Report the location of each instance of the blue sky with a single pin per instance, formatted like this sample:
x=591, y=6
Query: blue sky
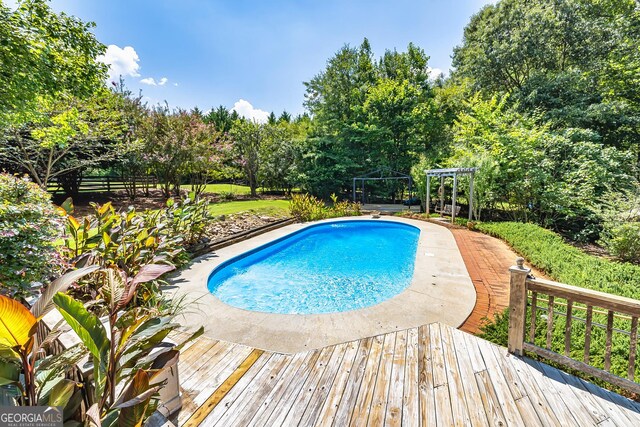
x=221, y=52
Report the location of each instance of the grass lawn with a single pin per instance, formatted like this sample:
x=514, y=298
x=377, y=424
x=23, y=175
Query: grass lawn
x=260, y=207
x=223, y=188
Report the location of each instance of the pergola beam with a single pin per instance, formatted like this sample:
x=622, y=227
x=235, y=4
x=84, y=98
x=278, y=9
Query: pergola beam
x=453, y=173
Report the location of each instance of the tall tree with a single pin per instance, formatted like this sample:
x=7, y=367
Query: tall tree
x=44, y=55
x=221, y=118
x=67, y=136
x=367, y=115
x=249, y=136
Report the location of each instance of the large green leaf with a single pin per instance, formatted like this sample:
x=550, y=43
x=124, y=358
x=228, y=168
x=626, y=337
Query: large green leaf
x=9, y=372
x=61, y=393
x=85, y=324
x=51, y=369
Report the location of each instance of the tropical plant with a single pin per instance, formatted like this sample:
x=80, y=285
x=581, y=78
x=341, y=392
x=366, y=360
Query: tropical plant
x=128, y=240
x=305, y=207
x=28, y=376
x=29, y=226
x=188, y=218
x=123, y=366
x=343, y=207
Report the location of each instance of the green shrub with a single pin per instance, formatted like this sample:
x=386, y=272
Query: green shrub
x=29, y=226
x=227, y=196
x=189, y=218
x=548, y=252
x=623, y=241
x=343, y=208
x=564, y=263
x=304, y=207
x=621, y=225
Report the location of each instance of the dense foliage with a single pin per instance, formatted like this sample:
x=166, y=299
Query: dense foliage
x=29, y=226
x=129, y=240
x=305, y=207
x=543, y=114
x=621, y=225
x=556, y=178
x=44, y=55
x=563, y=262
x=368, y=115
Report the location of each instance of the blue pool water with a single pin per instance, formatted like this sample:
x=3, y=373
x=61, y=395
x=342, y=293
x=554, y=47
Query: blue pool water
x=325, y=268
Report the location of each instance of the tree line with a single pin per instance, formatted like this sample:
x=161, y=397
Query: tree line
x=543, y=98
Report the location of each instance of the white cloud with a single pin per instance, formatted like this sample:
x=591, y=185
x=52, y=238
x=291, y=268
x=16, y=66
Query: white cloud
x=121, y=61
x=175, y=84
x=152, y=82
x=149, y=81
x=246, y=110
x=434, y=73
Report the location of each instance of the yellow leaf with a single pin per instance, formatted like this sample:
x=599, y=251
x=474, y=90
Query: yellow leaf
x=60, y=211
x=104, y=208
x=17, y=324
x=150, y=241
x=74, y=222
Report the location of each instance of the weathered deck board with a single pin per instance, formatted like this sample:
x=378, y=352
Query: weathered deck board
x=431, y=375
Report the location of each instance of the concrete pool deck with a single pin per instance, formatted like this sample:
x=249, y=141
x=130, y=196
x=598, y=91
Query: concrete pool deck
x=441, y=291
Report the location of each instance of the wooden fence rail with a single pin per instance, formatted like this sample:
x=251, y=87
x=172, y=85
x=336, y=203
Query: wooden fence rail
x=107, y=183
x=525, y=288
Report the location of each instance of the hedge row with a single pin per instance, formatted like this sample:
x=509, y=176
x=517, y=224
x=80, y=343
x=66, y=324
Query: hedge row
x=564, y=263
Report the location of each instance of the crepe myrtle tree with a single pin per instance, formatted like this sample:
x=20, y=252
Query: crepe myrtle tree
x=179, y=144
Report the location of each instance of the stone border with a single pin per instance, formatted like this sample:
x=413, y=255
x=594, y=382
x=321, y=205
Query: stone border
x=441, y=291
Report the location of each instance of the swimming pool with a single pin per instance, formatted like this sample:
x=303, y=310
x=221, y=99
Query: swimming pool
x=325, y=268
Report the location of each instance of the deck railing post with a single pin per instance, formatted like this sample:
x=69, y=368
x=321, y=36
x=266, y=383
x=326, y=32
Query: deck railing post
x=517, y=306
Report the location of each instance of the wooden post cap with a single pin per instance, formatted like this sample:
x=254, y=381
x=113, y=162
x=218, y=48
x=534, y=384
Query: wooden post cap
x=519, y=266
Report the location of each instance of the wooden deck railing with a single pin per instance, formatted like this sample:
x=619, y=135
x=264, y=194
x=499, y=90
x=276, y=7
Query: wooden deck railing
x=538, y=308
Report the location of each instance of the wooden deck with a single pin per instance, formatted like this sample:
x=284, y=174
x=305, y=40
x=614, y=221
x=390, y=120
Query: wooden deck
x=426, y=376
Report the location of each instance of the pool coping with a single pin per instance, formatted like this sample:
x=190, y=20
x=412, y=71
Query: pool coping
x=441, y=290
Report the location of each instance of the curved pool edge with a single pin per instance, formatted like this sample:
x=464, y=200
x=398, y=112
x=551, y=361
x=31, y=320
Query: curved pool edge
x=441, y=291
x=292, y=235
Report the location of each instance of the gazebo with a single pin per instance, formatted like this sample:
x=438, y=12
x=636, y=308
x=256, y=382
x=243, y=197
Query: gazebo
x=379, y=175
x=454, y=173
